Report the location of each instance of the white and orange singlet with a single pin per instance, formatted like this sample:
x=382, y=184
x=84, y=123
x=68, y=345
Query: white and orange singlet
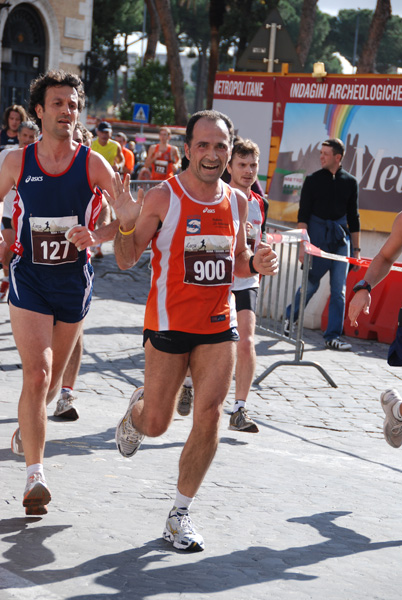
x=193, y=263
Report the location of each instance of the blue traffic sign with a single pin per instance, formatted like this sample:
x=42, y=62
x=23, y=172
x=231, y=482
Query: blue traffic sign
x=141, y=113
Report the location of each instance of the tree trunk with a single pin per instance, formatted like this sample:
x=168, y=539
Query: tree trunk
x=201, y=80
x=367, y=58
x=155, y=31
x=306, y=30
x=216, y=17
x=173, y=59
x=245, y=8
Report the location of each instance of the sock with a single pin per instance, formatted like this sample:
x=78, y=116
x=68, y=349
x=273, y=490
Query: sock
x=36, y=468
x=395, y=411
x=66, y=388
x=188, y=382
x=238, y=404
x=182, y=501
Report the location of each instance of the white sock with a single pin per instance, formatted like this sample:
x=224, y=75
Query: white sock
x=188, y=382
x=36, y=468
x=238, y=404
x=66, y=388
x=395, y=411
x=182, y=501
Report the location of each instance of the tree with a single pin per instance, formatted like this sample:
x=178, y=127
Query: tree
x=193, y=26
x=306, y=29
x=154, y=31
x=110, y=18
x=150, y=84
x=381, y=15
x=176, y=72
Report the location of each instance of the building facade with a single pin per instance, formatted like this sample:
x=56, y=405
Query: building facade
x=38, y=35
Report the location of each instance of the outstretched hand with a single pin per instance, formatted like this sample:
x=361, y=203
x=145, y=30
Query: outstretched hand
x=127, y=210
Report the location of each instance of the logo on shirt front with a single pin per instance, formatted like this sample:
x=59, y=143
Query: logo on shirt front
x=193, y=225
x=208, y=210
x=30, y=178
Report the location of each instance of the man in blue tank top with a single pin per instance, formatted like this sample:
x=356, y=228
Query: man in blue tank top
x=50, y=274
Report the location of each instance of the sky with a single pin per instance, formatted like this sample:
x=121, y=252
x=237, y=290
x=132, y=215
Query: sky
x=332, y=7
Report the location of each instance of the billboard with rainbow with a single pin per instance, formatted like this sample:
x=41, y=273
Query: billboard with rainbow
x=366, y=114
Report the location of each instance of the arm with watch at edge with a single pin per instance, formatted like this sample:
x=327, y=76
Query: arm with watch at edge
x=378, y=269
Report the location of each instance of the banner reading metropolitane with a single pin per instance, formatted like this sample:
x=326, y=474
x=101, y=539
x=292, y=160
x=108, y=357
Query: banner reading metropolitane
x=365, y=112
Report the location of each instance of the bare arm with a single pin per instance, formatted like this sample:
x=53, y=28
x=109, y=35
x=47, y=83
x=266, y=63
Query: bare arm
x=139, y=220
x=176, y=159
x=9, y=173
x=151, y=157
x=265, y=259
x=378, y=269
x=119, y=160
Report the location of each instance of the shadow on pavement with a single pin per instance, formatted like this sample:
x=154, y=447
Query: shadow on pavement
x=141, y=573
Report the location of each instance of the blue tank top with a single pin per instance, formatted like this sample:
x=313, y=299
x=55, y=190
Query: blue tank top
x=47, y=205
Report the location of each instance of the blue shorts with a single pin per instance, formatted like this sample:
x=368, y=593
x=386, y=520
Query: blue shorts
x=64, y=293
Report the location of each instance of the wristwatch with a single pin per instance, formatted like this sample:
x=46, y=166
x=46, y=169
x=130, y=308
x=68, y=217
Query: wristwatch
x=362, y=285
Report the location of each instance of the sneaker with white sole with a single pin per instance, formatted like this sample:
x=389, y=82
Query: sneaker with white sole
x=338, y=344
x=240, y=421
x=289, y=329
x=36, y=495
x=16, y=443
x=180, y=531
x=65, y=408
x=392, y=426
x=128, y=439
x=185, y=401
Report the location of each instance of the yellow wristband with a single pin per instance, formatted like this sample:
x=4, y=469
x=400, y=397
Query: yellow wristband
x=126, y=232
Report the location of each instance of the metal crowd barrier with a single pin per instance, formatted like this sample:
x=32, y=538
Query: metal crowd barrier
x=145, y=185
x=275, y=294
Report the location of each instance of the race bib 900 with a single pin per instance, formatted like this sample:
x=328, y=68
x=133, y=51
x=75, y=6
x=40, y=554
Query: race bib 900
x=208, y=260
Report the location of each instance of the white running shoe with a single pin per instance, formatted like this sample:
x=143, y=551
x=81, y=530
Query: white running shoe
x=185, y=401
x=36, y=495
x=179, y=530
x=338, y=344
x=16, y=443
x=392, y=427
x=65, y=408
x=128, y=439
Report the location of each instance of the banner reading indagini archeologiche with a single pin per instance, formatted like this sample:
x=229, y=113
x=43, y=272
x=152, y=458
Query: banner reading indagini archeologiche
x=366, y=114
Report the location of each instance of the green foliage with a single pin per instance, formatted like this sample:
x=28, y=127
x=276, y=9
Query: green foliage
x=322, y=46
x=150, y=84
x=343, y=31
x=110, y=18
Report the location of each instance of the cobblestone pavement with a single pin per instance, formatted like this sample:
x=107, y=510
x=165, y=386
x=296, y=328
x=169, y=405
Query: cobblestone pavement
x=306, y=509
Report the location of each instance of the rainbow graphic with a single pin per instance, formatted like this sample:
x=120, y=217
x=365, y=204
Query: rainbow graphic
x=337, y=119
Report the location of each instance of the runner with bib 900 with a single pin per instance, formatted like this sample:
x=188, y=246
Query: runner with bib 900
x=196, y=225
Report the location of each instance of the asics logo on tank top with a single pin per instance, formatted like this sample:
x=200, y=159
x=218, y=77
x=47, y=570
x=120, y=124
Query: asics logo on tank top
x=208, y=210
x=32, y=179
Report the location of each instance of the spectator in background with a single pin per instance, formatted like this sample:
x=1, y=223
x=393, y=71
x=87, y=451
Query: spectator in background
x=129, y=159
x=12, y=118
x=108, y=148
x=163, y=159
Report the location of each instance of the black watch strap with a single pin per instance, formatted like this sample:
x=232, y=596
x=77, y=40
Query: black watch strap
x=362, y=285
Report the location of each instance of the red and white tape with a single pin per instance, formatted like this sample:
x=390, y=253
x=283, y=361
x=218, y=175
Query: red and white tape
x=300, y=235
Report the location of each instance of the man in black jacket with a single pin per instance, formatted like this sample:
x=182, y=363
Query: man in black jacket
x=329, y=211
